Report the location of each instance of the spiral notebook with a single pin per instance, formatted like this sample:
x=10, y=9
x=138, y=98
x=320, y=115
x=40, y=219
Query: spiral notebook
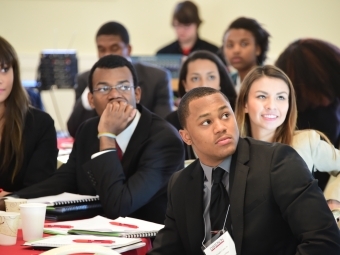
x=64, y=199
x=120, y=227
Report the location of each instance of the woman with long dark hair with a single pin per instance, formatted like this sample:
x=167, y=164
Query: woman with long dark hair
x=28, y=146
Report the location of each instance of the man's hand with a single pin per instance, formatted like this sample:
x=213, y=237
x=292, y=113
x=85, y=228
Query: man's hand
x=4, y=193
x=116, y=117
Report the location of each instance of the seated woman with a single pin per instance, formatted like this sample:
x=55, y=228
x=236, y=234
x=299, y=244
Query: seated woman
x=28, y=144
x=186, y=22
x=313, y=66
x=266, y=110
x=202, y=69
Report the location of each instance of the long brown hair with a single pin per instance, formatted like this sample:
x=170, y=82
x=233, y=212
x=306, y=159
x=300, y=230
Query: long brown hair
x=16, y=107
x=284, y=133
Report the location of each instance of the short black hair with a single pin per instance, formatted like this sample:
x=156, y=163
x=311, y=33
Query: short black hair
x=226, y=85
x=114, y=28
x=186, y=13
x=260, y=34
x=111, y=62
x=183, y=108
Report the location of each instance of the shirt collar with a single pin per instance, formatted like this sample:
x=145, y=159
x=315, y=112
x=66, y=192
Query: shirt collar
x=124, y=137
x=225, y=165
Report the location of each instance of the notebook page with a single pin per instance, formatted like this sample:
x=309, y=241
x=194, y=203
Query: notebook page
x=102, y=224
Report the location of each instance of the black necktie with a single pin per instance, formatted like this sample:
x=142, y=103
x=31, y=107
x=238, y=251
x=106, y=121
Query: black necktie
x=219, y=202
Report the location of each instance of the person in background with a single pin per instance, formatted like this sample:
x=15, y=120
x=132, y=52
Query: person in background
x=202, y=69
x=113, y=38
x=186, y=22
x=35, y=98
x=245, y=45
x=266, y=110
x=261, y=193
x=313, y=66
x=125, y=155
x=28, y=142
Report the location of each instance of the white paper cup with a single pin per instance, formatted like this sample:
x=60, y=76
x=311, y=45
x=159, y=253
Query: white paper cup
x=33, y=218
x=12, y=205
x=8, y=227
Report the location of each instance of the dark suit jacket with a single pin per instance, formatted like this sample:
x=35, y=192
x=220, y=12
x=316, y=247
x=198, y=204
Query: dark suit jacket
x=40, y=153
x=175, y=48
x=135, y=187
x=155, y=83
x=276, y=206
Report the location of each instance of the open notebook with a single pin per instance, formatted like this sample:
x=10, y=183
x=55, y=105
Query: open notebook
x=111, y=242
x=120, y=227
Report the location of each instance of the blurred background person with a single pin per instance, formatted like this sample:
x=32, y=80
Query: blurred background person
x=266, y=110
x=313, y=66
x=28, y=142
x=202, y=69
x=186, y=22
x=245, y=46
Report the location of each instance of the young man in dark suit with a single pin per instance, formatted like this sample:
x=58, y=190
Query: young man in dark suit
x=113, y=38
x=276, y=206
x=126, y=156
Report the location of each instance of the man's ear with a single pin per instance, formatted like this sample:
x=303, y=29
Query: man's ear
x=138, y=94
x=129, y=47
x=90, y=98
x=185, y=136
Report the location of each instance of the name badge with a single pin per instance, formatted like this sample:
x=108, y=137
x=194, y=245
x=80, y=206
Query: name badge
x=224, y=245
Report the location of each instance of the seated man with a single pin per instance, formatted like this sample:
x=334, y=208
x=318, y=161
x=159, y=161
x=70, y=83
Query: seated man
x=151, y=149
x=276, y=206
x=113, y=38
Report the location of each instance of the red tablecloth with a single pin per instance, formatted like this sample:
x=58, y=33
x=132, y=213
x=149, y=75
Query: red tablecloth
x=18, y=249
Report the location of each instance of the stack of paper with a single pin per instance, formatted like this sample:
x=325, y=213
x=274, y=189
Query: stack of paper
x=120, y=227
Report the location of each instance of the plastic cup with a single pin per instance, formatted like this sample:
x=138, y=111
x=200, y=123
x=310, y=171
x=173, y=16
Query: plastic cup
x=12, y=205
x=33, y=218
x=8, y=227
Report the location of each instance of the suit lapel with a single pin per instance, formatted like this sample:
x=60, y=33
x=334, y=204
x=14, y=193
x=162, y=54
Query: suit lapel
x=238, y=183
x=137, y=139
x=194, y=206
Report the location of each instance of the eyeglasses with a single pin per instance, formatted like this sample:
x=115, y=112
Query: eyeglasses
x=122, y=88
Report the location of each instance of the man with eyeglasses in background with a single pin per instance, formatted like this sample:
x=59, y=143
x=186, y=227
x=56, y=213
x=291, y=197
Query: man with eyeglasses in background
x=126, y=155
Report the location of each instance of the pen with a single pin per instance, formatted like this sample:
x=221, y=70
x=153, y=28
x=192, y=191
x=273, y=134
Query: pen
x=92, y=241
x=123, y=224
x=57, y=226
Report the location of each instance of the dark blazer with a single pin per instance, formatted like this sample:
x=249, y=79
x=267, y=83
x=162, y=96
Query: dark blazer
x=40, y=153
x=135, y=187
x=276, y=206
x=155, y=83
x=175, y=48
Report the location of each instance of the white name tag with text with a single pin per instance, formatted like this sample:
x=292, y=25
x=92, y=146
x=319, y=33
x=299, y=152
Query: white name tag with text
x=224, y=245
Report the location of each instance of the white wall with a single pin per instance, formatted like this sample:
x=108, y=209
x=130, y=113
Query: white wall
x=32, y=25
